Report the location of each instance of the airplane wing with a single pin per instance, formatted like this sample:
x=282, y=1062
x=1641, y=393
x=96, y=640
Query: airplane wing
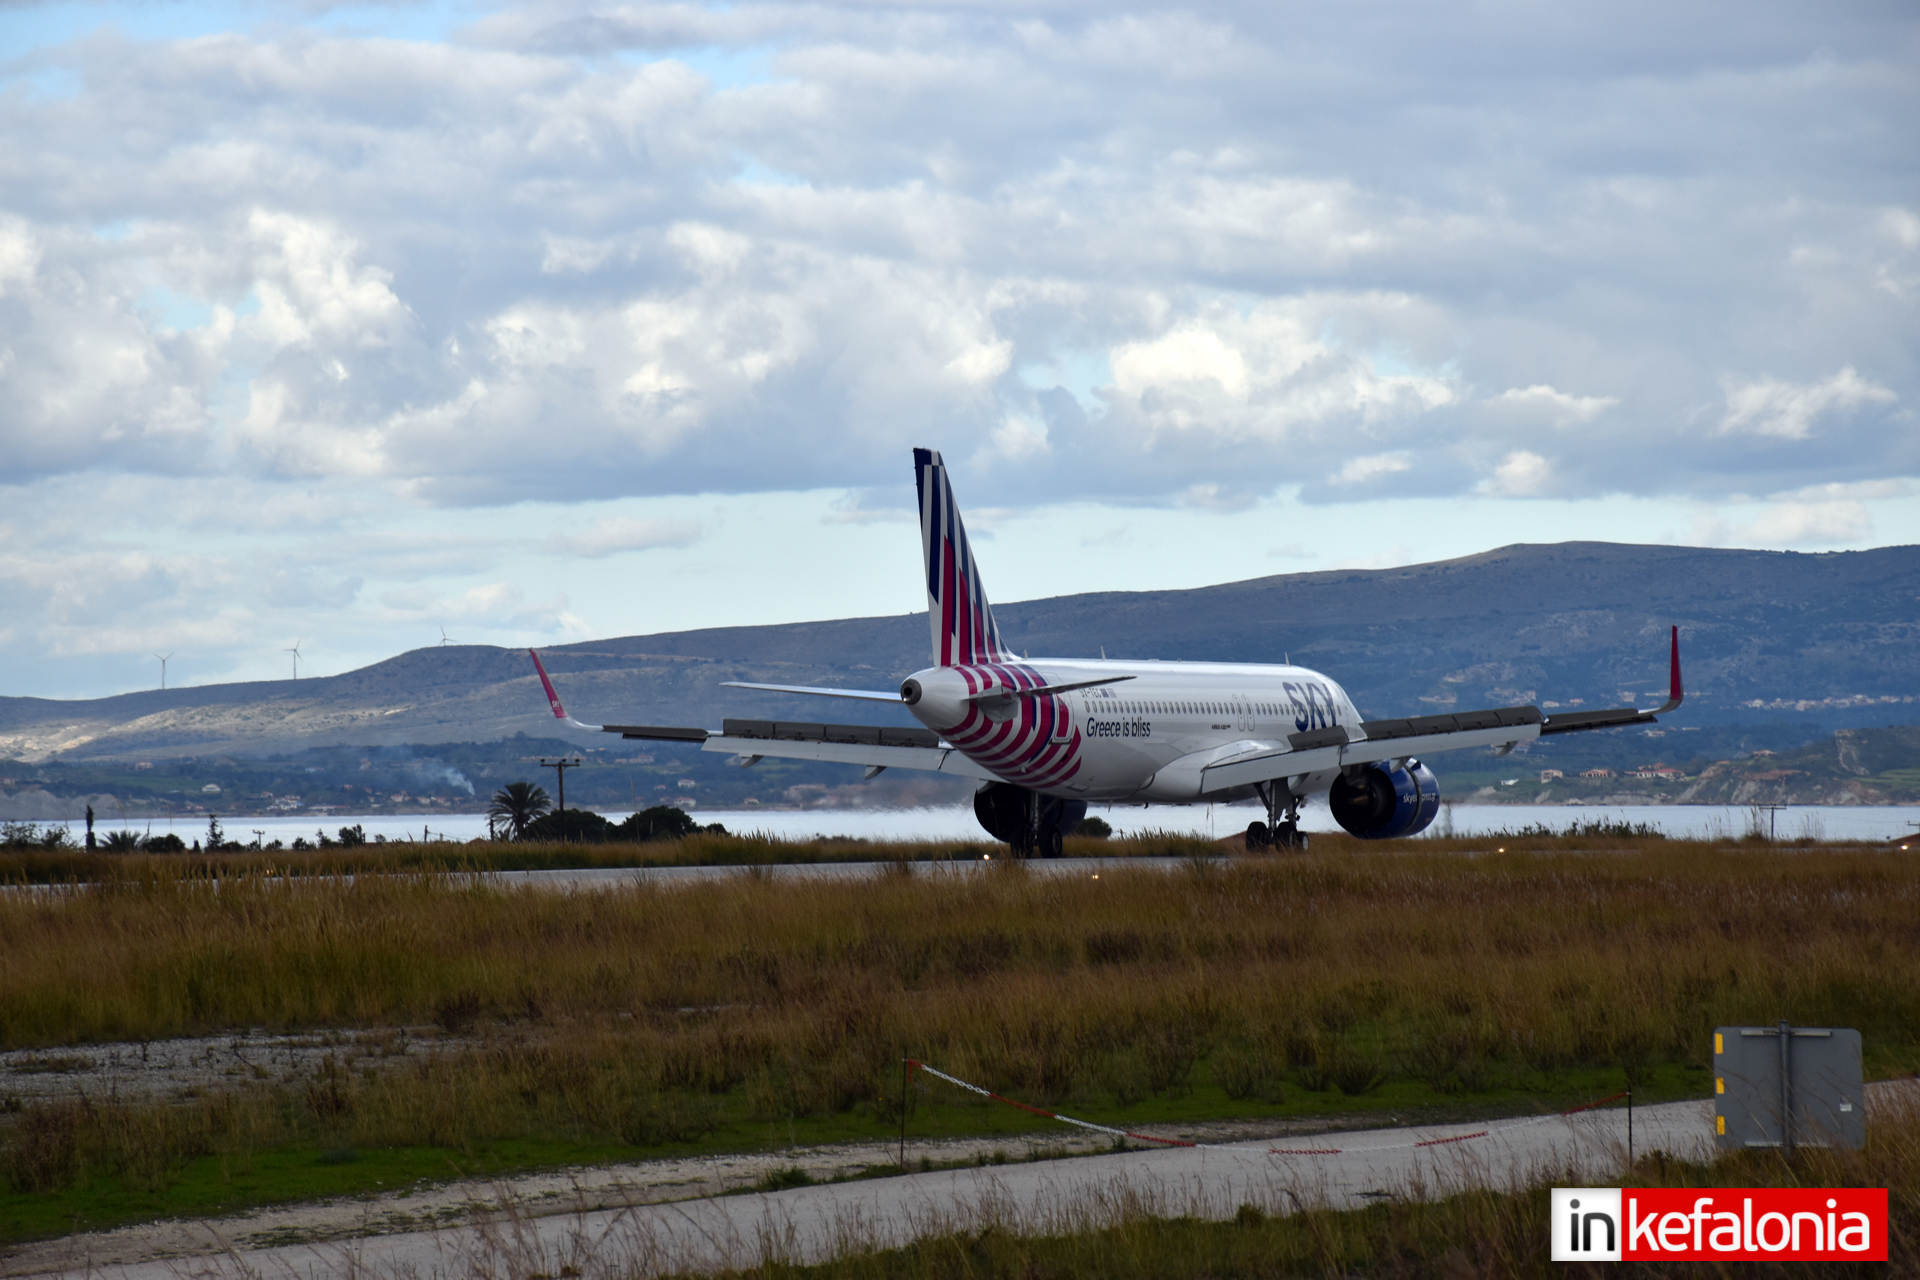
x=750, y=740
x=871, y=745
x=1321, y=750
x=863, y=695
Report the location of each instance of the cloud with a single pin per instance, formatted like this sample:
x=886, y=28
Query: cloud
x=1542, y=403
x=1015, y=440
x=1856, y=491
x=1521, y=474
x=1360, y=471
x=1770, y=407
x=1217, y=497
x=1792, y=524
x=612, y=535
x=306, y=300
x=1267, y=377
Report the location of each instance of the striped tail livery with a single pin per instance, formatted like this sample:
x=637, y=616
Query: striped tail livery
x=963, y=629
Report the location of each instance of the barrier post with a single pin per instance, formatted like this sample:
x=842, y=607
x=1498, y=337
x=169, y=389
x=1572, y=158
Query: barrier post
x=906, y=1085
x=1629, y=1127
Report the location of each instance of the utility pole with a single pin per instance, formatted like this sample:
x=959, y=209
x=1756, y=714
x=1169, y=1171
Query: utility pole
x=560, y=768
x=1773, y=813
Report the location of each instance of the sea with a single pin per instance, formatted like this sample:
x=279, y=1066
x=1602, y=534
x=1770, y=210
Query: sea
x=956, y=823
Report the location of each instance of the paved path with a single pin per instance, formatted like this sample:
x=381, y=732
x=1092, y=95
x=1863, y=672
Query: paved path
x=812, y=1223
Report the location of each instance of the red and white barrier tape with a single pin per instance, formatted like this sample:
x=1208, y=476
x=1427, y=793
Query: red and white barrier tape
x=916, y=1065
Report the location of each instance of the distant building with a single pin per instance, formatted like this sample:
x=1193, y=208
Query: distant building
x=211, y=789
x=1596, y=773
x=1760, y=751
x=1548, y=775
x=1658, y=772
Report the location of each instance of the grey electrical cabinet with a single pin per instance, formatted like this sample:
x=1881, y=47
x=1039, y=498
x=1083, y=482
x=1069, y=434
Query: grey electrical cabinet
x=1784, y=1086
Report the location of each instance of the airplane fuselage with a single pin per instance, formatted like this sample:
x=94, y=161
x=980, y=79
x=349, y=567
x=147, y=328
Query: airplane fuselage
x=1145, y=737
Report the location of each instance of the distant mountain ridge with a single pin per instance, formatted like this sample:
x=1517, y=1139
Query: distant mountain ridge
x=1830, y=638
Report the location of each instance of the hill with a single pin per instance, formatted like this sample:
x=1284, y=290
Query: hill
x=1805, y=643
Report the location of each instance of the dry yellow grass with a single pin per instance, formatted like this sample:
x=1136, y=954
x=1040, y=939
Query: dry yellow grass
x=625, y=1012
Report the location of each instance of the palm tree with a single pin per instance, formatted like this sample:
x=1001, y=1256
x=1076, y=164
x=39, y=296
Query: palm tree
x=519, y=803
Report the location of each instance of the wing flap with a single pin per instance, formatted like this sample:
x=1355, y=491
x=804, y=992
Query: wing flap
x=928, y=759
x=657, y=732
x=797, y=731
x=868, y=744
x=1321, y=750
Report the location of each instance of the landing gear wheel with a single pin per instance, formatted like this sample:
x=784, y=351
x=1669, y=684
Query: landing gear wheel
x=1289, y=836
x=1052, y=843
x=1257, y=837
x=1020, y=846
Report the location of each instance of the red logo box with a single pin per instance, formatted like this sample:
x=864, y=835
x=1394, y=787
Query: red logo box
x=1720, y=1224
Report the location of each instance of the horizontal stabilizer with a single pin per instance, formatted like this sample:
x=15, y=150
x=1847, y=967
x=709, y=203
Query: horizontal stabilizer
x=1001, y=693
x=863, y=695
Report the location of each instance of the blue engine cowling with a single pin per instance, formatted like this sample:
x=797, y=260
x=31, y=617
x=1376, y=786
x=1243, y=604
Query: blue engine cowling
x=1384, y=803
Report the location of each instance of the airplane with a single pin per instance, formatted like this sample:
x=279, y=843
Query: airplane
x=1043, y=738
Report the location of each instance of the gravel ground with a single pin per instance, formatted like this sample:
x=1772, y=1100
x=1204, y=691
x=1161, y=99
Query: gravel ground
x=174, y=1069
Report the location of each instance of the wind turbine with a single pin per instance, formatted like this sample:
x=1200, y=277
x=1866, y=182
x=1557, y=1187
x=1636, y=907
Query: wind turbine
x=163, y=667
x=295, y=651
x=444, y=642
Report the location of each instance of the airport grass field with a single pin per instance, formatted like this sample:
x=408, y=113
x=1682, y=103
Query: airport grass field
x=537, y=1026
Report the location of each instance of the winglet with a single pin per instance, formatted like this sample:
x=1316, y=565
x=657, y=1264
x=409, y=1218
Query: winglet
x=553, y=699
x=1675, y=695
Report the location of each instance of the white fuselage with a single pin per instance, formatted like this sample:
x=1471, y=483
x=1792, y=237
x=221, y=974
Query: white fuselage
x=1146, y=738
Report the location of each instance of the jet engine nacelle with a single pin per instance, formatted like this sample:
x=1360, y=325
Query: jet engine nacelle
x=1380, y=802
x=1001, y=808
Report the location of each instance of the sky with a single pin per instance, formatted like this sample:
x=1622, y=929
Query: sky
x=356, y=327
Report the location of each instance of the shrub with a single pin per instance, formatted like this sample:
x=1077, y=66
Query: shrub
x=661, y=822
x=572, y=826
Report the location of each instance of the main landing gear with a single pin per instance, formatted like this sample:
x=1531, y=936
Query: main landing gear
x=1276, y=832
x=1037, y=837
x=1032, y=825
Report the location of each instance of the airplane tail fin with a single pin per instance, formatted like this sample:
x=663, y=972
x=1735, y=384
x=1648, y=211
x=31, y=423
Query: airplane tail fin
x=961, y=619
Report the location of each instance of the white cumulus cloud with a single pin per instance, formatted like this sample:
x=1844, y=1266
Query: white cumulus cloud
x=1789, y=410
x=1521, y=474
